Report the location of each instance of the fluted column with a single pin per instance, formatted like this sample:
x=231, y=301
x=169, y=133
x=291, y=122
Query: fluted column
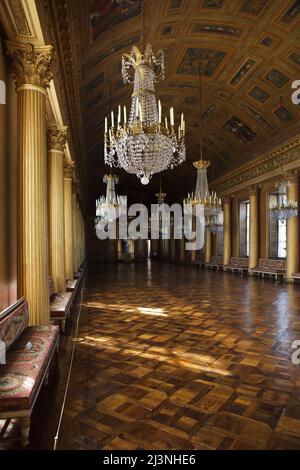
x=208, y=245
x=182, y=249
x=57, y=138
x=31, y=69
x=227, y=231
x=292, y=259
x=254, y=227
x=74, y=224
x=68, y=217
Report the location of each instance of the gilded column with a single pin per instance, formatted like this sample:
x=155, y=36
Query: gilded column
x=182, y=249
x=31, y=66
x=74, y=223
x=68, y=216
x=254, y=227
x=292, y=259
x=57, y=138
x=227, y=231
x=208, y=245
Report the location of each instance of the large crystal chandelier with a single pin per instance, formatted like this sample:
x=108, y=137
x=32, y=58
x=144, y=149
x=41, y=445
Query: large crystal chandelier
x=284, y=208
x=110, y=206
x=144, y=145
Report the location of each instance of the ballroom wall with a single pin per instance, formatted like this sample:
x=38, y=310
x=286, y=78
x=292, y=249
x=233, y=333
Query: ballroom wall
x=8, y=187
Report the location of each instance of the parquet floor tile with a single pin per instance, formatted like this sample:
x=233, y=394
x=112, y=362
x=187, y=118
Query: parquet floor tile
x=176, y=358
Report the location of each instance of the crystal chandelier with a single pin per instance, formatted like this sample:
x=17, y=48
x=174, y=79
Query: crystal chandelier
x=110, y=206
x=215, y=222
x=211, y=203
x=144, y=145
x=284, y=208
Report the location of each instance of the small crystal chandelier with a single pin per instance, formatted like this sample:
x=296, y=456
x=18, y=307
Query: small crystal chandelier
x=111, y=206
x=144, y=145
x=211, y=203
x=162, y=215
x=284, y=208
x=215, y=222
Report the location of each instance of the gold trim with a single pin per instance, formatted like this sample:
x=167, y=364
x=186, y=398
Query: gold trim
x=201, y=164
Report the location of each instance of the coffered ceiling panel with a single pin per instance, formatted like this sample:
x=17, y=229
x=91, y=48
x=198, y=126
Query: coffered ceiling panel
x=249, y=52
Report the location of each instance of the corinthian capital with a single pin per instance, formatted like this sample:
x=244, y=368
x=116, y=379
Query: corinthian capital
x=57, y=137
x=31, y=65
x=69, y=168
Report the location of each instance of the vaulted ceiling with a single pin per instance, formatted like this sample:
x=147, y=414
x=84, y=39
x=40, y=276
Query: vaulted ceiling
x=250, y=55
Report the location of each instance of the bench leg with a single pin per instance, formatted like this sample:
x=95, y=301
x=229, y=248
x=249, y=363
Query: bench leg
x=25, y=428
x=47, y=378
x=63, y=325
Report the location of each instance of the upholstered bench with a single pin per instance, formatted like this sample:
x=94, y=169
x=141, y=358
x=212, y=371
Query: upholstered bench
x=295, y=276
x=73, y=285
x=238, y=264
x=272, y=267
x=200, y=261
x=60, y=305
x=29, y=354
x=216, y=262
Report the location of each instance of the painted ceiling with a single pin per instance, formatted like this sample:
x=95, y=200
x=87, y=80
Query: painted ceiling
x=250, y=55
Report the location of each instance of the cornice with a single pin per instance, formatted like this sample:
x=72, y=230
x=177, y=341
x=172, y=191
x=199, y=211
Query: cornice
x=57, y=27
x=267, y=165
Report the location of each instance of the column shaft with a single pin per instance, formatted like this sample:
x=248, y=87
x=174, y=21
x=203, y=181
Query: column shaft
x=254, y=228
x=68, y=227
x=33, y=265
x=208, y=246
x=227, y=232
x=292, y=261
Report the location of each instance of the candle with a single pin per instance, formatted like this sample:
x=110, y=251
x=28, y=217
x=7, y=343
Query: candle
x=119, y=114
x=125, y=115
x=159, y=112
x=183, y=127
x=112, y=119
x=137, y=107
x=166, y=122
x=141, y=114
x=172, y=116
x=106, y=126
x=181, y=124
x=178, y=132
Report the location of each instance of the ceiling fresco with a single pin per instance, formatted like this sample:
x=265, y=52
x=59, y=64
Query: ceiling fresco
x=249, y=51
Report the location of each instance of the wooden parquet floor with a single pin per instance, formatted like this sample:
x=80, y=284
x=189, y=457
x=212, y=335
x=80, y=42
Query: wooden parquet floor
x=175, y=358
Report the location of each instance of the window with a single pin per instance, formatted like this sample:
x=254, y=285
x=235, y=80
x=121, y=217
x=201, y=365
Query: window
x=244, y=225
x=220, y=243
x=277, y=234
x=281, y=243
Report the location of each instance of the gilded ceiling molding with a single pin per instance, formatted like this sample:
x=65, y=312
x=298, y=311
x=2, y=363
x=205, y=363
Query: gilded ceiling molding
x=57, y=137
x=259, y=168
x=31, y=65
